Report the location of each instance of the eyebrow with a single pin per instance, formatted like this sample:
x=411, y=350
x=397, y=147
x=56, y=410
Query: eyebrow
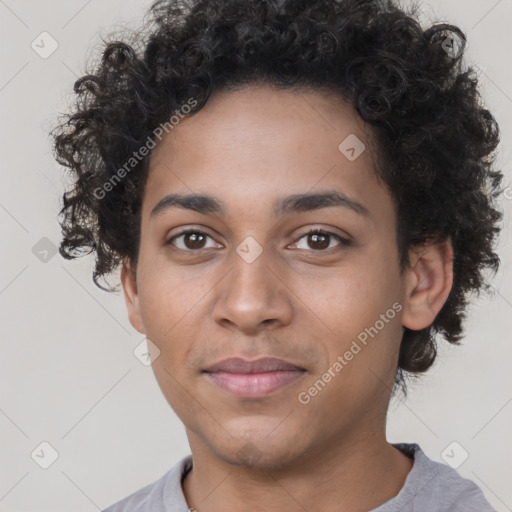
x=295, y=203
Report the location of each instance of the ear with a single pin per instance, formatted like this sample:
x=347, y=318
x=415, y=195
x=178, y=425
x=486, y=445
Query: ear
x=429, y=280
x=131, y=297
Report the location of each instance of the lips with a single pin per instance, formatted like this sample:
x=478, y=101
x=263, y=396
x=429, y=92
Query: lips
x=253, y=379
x=263, y=365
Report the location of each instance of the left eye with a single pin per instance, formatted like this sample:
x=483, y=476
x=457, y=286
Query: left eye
x=321, y=238
x=194, y=240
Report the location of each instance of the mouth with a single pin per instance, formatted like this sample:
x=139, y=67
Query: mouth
x=253, y=379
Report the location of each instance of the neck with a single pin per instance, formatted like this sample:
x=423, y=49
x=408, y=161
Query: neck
x=359, y=473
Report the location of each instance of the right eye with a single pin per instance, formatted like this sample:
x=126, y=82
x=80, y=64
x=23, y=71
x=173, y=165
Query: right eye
x=193, y=240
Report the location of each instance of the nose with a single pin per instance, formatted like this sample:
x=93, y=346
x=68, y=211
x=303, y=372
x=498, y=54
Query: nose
x=253, y=296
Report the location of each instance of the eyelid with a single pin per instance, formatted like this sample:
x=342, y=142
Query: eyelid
x=328, y=231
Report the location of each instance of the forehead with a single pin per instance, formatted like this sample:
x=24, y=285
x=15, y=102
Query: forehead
x=251, y=147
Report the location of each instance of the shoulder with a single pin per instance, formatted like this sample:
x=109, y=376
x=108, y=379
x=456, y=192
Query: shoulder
x=438, y=487
x=158, y=496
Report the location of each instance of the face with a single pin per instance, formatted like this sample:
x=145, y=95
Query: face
x=249, y=282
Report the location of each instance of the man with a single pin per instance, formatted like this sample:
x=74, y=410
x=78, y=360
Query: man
x=300, y=196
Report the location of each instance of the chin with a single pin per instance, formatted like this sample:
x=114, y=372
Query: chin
x=261, y=449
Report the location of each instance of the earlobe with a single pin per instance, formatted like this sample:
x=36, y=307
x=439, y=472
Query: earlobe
x=131, y=296
x=429, y=280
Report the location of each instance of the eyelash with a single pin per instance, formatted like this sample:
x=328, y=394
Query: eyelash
x=343, y=241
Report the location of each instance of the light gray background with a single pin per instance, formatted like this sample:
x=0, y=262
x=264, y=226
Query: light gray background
x=68, y=373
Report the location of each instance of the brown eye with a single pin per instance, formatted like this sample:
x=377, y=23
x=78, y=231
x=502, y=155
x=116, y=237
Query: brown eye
x=194, y=240
x=319, y=240
x=191, y=240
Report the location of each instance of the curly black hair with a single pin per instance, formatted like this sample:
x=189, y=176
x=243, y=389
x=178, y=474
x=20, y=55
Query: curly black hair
x=436, y=141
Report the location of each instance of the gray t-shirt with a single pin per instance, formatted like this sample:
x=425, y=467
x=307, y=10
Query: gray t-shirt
x=429, y=487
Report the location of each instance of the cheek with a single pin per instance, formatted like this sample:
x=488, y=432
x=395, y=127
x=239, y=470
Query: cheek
x=360, y=373
x=173, y=386
x=166, y=298
x=172, y=308
x=347, y=298
x=362, y=310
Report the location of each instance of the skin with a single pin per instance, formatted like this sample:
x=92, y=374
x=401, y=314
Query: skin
x=297, y=301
